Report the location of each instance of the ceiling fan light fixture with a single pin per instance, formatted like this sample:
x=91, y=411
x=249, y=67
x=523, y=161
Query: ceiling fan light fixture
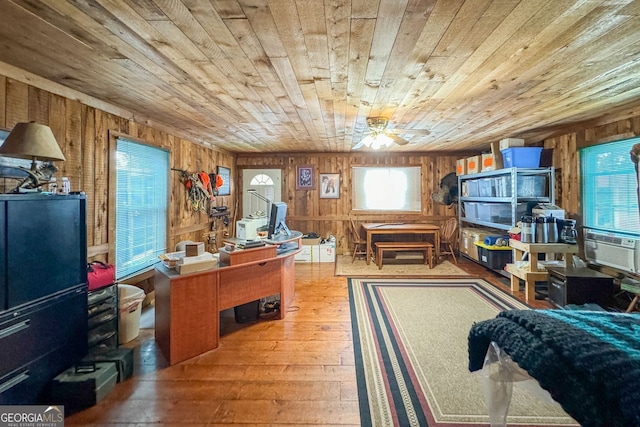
x=381, y=141
x=376, y=141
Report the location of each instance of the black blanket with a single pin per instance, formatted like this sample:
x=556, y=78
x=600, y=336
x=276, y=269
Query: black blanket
x=589, y=361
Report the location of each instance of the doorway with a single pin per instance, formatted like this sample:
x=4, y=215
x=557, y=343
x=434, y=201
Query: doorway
x=267, y=183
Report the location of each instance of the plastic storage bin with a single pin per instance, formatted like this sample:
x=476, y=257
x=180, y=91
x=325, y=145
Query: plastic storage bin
x=521, y=157
x=531, y=186
x=470, y=210
x=485, y=188
x=494, y=212
x=473, y=188
x=494, y=257
x=130, y=307
x=499, y=212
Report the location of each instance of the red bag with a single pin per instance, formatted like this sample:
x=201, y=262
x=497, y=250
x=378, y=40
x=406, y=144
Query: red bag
x=100, y=274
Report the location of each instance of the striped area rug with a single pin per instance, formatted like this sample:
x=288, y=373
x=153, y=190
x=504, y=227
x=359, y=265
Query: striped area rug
x=410, y=343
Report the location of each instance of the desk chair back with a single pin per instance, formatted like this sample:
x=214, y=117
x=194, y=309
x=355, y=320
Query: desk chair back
x=359, y=244
x=449, y=238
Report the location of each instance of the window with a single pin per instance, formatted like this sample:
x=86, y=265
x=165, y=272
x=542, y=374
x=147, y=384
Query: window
x=609, y=187
x=141, y=205
x=387, y=188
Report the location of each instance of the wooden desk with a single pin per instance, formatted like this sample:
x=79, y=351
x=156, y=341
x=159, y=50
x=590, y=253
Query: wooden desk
x=188, y=306
x=373, y=228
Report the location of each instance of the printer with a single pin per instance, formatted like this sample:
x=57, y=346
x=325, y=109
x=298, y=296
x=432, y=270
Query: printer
x=547, y=209
x=247, y=228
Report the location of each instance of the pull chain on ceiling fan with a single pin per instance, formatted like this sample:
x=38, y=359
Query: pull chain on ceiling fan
x=379, y=136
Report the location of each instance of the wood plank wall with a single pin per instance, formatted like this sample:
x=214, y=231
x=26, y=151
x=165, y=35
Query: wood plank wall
x=308, y=213
x=83, y=133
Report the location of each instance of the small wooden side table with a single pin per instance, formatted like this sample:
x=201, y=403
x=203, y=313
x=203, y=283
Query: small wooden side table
x=531, y=274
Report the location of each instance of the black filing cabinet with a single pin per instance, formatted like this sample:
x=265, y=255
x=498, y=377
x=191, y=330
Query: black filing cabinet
x=43, y=292
x=580, y=286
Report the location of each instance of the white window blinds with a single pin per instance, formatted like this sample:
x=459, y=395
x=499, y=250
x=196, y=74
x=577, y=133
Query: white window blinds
x=609, y=184
x=142, y=175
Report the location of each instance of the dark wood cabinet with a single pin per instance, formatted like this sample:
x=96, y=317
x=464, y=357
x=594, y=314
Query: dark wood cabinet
x=43, y=292
x=580, y=286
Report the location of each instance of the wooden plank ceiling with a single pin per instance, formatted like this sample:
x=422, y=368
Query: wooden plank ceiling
x=303, y=75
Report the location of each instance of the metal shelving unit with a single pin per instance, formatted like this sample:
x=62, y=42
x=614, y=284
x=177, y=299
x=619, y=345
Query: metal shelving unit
x=498, y=199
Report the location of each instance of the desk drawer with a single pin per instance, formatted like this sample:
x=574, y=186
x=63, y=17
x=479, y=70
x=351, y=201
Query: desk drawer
x=241, y=285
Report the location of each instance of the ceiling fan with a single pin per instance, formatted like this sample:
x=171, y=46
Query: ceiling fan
x=379, y=136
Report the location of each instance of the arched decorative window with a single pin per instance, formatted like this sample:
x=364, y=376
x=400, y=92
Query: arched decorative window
x=261, y=179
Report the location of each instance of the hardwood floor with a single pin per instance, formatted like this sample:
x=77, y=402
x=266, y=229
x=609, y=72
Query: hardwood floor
x=296, y=371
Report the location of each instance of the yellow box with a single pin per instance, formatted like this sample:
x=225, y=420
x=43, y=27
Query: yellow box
x=473, y=164
x=461, y=167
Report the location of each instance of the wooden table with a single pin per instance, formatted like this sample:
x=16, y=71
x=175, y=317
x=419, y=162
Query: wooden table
x=396, y=228
x=531, y=274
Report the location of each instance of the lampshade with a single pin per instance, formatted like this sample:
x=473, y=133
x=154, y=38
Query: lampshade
x=32, y=141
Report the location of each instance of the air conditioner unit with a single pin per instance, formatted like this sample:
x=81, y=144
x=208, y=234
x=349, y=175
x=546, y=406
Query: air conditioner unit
x=622, y=253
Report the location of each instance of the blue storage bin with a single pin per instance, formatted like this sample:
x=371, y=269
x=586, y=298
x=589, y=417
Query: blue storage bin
x=521, y=157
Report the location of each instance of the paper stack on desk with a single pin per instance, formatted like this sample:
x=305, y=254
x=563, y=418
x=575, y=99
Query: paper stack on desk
x=191, y=264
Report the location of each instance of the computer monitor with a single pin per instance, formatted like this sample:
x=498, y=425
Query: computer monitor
x=277, y=226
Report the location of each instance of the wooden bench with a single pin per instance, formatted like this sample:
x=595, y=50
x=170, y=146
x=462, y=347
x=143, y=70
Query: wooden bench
x=425, y=247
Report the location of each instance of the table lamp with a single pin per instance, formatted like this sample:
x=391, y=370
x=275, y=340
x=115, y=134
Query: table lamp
x=35, y=142
x=254, y=192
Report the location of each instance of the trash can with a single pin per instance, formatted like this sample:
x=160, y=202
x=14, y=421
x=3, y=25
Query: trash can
x=248, y=312
x=130, y=307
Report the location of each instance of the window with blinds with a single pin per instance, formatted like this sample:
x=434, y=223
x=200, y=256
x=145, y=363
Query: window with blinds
x=387, y=188
x=142, y=174
x=609, y=187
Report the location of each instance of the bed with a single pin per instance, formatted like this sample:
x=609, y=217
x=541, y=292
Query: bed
x=588, y=361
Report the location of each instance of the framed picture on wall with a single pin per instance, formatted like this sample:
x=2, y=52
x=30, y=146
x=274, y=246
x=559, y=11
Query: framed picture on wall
x=329, y=185
x=305, y=177
x=225, y=174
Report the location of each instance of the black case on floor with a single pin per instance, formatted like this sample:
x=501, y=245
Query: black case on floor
x=122, y=357
x=78, y=389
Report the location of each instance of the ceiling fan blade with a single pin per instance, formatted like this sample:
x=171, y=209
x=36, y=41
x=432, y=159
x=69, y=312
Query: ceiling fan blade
x=398, y=140
x=358, y=145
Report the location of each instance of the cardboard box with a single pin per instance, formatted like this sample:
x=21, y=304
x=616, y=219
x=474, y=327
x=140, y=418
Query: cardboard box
x=327, y=252
x=497, y=155
x=473, y=164
x=511, y=142
x=488, y=162
x=307, y=241
x=309, y=253
x=194, y=249
x=461, y=167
